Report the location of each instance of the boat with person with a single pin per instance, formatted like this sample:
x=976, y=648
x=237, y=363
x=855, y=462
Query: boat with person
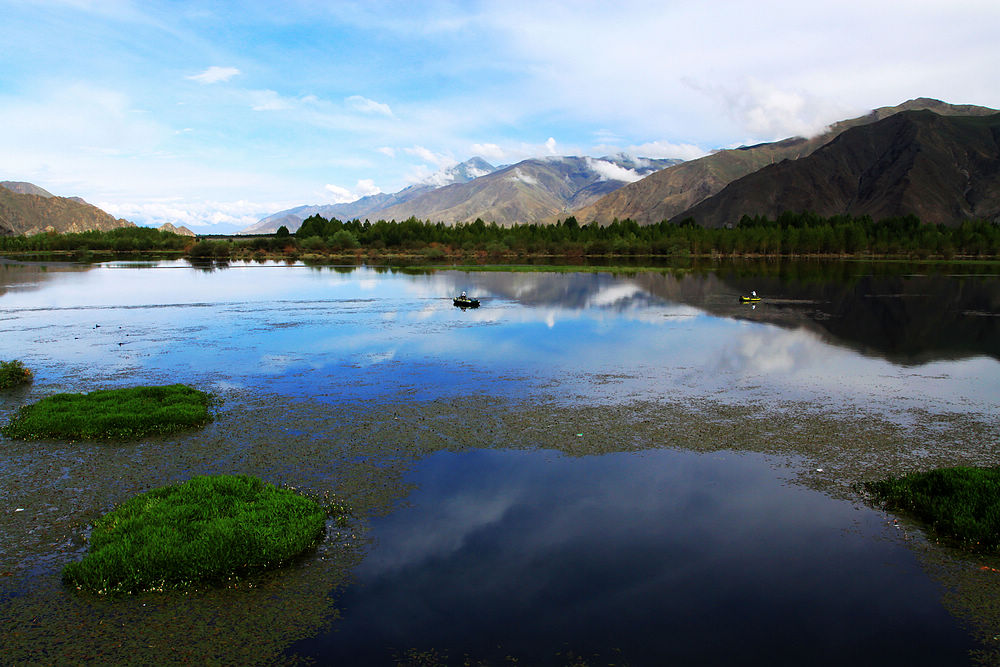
x=753, y=298
x=465, y=301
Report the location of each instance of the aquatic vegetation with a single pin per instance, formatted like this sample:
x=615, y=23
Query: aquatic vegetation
x=207, y=529
x=962, y=503
x=13, y=373
x=111, y=414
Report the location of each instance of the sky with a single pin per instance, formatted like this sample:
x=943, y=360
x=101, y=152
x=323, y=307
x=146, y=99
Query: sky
x=213, y=115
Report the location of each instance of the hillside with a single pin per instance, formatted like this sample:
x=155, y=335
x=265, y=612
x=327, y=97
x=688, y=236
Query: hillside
x=28, y=209
x=943, y=169
x=667, y=193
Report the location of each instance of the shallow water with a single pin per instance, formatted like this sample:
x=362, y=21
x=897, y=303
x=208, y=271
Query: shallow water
x=628, y=467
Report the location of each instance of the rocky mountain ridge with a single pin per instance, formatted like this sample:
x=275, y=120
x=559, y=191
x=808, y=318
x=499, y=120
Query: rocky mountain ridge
x=28, y=209
x=672, y=191
x=942, y=169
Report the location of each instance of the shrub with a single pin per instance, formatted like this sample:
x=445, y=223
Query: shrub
x=206, y=530
x=112, y=413
x=313, y=244
x=343, y=239
x=13, y=373
x=960, y=503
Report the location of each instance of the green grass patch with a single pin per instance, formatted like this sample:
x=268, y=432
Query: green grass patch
x=957, y=503
x=13, y=373
x=121, y=414
x=205, y=530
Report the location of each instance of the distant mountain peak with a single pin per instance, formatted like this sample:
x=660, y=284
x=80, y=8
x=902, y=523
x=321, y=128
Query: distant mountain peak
x=463, y=172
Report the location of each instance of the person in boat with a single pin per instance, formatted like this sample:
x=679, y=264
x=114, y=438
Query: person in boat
x=463, y=295
x=753, y=294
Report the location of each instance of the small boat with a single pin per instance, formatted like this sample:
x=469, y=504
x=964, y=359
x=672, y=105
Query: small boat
x=749, y=299
x=466, y=302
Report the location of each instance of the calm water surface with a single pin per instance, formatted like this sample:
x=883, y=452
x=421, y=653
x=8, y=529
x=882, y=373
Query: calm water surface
x=512, y=547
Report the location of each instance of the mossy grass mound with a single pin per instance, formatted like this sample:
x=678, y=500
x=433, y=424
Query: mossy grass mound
x=205, y=530
x=957, y=503
x=121, y=414
x=13, y=373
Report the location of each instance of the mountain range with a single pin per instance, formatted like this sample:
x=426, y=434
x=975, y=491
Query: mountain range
x=367, y=206
x=529, y=191
x=924, y=157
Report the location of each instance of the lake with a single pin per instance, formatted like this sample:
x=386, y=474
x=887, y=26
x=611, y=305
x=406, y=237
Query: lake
x=594, y=467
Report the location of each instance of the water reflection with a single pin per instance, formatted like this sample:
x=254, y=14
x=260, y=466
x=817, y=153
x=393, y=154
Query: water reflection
x=638, y=559
x=657, y=334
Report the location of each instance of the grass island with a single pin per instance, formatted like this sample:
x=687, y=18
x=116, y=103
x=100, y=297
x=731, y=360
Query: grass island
x=960, y=503
x=121, y=414
x=205, y=530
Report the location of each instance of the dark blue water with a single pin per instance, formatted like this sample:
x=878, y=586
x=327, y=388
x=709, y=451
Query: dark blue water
x=659, y=558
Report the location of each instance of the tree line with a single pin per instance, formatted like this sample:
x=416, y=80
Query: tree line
x=802, y=233
x=122, y=239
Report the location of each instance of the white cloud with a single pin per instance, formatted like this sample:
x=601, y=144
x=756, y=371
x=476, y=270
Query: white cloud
x=386, y=150
x=764, y=110
x=230, y=215
x=366, y=105
x=666, y=149
x=519, y=175
x=269, y=100
x=215, y=74
x=341, y=195
x=474, y=173
x=612, y=172
x=550, y=145
x=487, y=151
x=437, y=159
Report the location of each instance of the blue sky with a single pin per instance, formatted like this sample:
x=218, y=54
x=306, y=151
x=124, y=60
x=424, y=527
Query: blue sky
x=215, y=114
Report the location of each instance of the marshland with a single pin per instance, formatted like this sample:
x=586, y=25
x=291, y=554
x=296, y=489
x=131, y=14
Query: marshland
x=597, y=466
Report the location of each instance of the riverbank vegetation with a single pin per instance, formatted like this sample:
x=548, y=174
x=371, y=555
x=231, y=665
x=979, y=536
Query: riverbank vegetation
x=791, y=234
x=205, y=530
x=119, y=414
x=957, y=503
x=13, y=373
